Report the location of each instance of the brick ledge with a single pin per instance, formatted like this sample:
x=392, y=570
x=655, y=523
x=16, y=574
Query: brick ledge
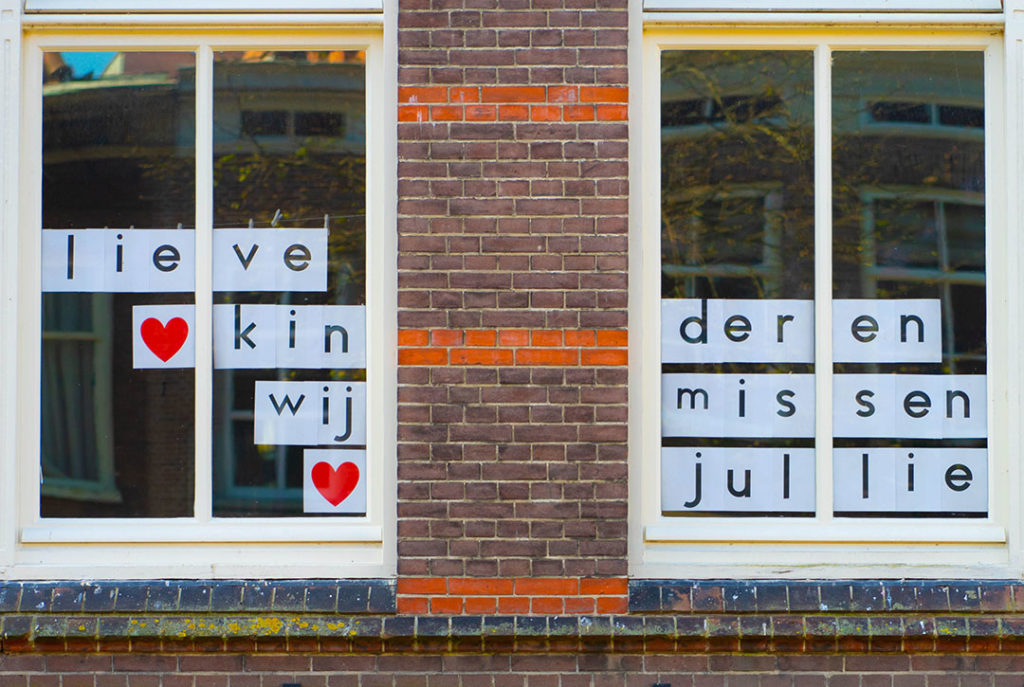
x=503, y=634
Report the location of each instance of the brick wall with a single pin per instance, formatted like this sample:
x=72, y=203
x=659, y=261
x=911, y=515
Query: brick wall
x=554, y=670
x=512, y=305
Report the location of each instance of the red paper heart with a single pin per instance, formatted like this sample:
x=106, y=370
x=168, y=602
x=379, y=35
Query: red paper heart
x=335, y=484
x=164, y=340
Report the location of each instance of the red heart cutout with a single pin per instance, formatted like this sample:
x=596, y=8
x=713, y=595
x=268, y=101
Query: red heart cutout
x=164, y=340
x=335, y=484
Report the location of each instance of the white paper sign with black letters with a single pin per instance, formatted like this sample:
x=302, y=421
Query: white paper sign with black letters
x=163, y=260
x=270, y=260
x=909, y=406
x=910, y=480
x=310, y=413
x=289, y=336
x=718, y=479
x=118, y=260
x=334, y=481
x=737, y=405
x=721, y=330
x=260, y=336
x=886, y=331
x=717, y=330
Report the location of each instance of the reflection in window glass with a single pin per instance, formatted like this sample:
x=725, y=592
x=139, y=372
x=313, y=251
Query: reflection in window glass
x=737, y=260
x=118, y=193
x=289, y=161
x=909, y=214
x=737, y=174
x=909, y=223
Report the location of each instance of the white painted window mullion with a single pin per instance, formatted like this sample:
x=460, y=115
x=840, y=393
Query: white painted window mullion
x=204, y=285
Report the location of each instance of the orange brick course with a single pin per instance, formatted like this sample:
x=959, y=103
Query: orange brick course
x=485, y=596
x=588, y=348
x=512, y=103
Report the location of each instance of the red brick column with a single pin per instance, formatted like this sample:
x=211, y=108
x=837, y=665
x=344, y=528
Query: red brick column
x=512, y=303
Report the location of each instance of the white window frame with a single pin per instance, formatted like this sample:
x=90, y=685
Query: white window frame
x=32, y=547
x=816, y=5
x=825, y=546
x=147, y=6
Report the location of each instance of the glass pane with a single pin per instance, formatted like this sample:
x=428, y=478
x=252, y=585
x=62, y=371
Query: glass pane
x=290, y=283
x=909, y=279
x=737, y=261
x=117, y=385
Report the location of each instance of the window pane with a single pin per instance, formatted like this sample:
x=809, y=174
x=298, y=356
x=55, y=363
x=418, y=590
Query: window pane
x=909, y=273
x=118, y=215
x=737, y=251
x=290, y=285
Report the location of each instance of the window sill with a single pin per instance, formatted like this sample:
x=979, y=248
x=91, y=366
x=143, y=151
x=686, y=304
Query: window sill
x=217, y=532
x=868, y=531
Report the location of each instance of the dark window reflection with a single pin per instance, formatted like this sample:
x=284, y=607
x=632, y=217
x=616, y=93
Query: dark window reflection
x=737, y=174
x=289, y=151
x=737, y=193
x=118, y=152
x=908, y=189
x=888, y=111
x=267, y=123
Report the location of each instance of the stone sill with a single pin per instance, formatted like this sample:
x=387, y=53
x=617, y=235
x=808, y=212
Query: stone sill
x=503, y=634
x=666, y=616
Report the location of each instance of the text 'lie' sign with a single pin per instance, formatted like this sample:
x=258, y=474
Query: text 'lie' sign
x=866, y=481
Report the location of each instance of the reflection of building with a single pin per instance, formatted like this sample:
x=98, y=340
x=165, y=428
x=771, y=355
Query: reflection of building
x=289, y=139
x=908, y=174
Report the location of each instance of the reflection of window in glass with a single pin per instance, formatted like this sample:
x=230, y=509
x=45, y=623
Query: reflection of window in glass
x=288, y=163
x=270, y=476
x=77, y=426
x=723, y=243
x=289, y=153
x=928, y=114
x=907, y=282
x=283, y=123
x=724, y=109
x=737, y=199
x=917, y=245
x=909, y=233
x=737, y=237
x=118, y=157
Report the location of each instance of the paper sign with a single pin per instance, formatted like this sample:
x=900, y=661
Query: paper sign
x=118, y=260
x=334, y=481
x=695, y=330
x=737, y=405
x=310, y=413
x=701, y=330
x=909, y=406
x=265, y=336
x=289, y=336
x=162, y=336
x=163, y=260
x=886, y=331
x=910, y=480
x=270, y=260
x=716, y=479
